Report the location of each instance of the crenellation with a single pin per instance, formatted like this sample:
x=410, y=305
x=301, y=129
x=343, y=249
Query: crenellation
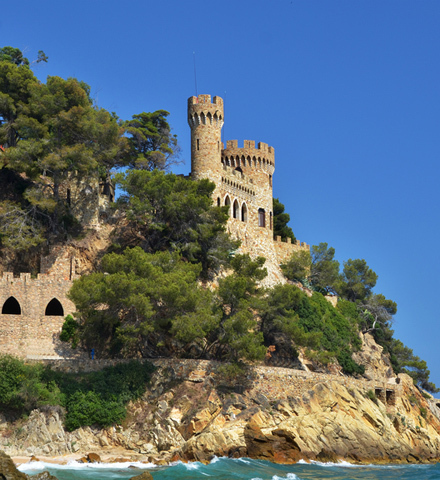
x=34, y=308
x=243, y=178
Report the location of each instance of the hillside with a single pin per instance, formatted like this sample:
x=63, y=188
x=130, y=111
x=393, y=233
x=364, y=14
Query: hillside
x=281, y=415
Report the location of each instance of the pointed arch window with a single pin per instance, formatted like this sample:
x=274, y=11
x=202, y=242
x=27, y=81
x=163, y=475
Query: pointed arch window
x=236, y=210
x=11, y=307
x=244, y=213
x=54, y=308
x=228, y=204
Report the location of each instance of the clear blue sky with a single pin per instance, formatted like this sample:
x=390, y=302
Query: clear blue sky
x=347, y=92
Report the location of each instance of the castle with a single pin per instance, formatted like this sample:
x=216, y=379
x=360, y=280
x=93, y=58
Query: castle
x=33, y=309
x=243, y=180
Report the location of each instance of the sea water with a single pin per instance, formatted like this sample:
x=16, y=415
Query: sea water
x=240, y=469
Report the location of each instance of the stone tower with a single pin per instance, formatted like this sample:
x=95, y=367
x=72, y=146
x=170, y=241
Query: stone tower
x=243, y=178
x=206, y=121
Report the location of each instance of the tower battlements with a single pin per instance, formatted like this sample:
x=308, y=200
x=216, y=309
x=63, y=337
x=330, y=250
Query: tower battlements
x=201, y=99
x=262, y=156
x=243, y=178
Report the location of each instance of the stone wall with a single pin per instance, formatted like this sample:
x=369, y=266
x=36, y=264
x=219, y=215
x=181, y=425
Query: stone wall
x=276, y=383
x=32, y=310
x=244, y=181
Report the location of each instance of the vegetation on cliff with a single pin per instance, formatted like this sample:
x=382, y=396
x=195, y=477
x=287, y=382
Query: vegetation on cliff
x=172, y=283
x=93, y=398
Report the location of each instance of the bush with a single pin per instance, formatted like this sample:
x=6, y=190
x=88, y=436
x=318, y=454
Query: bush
x=69, y=331
x=372, y=396
x=349, y=366
x=89, y=408
x=99, y=398
x=23, y=388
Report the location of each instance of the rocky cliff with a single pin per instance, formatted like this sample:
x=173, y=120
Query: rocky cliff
x=275, y=414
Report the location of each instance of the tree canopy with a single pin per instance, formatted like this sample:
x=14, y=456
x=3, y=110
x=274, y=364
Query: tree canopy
x=280, y=221
x=166, y=211
x=152, y=145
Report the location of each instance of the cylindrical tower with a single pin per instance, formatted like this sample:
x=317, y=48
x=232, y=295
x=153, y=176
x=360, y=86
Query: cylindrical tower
x=206, y=122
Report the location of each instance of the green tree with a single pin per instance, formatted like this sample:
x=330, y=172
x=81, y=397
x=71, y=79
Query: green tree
x=357, y=280
x=412, y=365
x=237, y=337
x=138, y=296
x=324, y=269
x=152, y=144
x=14, y=55
x=280, y=322
x=165, y=211
x=376, y=311
x=280, y=221
x=54, y=135
x=297, y=267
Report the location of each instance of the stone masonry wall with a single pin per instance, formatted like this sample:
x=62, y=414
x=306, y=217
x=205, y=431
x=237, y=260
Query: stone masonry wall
x=243, y=178
x=276, y=383
x=32, y=333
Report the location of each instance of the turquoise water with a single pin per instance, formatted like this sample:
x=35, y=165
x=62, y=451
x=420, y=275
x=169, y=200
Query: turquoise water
x=240, y=469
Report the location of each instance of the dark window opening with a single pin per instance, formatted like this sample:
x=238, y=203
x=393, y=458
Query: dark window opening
x=236, y=210
x=244, y=213
x=198, y=144
x=54, y=308
x=238, y=169
x=228, y=204
x=68, y=197
x=261, y=217
x=218, y=201
x=11, y=307
x=270, y=180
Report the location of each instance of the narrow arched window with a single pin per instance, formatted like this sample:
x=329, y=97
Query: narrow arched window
x=11, y=307
x=54, y=308
x=198, y=144
x=236, y=210
x=228, y=204
x=218, y=201
x=244, y=213
x=261, y=217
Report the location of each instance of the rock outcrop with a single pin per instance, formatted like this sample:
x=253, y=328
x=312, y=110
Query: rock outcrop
x=280, y=415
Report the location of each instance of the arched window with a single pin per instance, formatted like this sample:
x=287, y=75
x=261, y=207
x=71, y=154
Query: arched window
x=54, y=307
x=218, y=201
x=11, y=307
x=244, y=212
x=261, y=217
x=228, y=203
x=236, y=210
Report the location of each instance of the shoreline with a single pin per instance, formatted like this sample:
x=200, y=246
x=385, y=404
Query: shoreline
x=111, y=458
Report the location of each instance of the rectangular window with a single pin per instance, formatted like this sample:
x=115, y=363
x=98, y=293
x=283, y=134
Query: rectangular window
x=261, y=218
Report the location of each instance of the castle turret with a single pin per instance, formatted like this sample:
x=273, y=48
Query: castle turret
x=206, y=121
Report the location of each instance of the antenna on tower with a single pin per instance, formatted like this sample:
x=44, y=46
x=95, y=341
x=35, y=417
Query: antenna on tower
x=195, y=72
x=224, y=129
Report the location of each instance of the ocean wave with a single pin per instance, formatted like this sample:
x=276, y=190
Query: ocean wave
x=74, y=465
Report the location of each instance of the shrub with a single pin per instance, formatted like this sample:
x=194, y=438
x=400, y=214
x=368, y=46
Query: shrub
x=69, y=331
x=99, y=398
x=89, y=408
x=349, y=366
x=372, y=396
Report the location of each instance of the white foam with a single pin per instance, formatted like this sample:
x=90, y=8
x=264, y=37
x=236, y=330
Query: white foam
x=290, y=476
x=74, y=465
